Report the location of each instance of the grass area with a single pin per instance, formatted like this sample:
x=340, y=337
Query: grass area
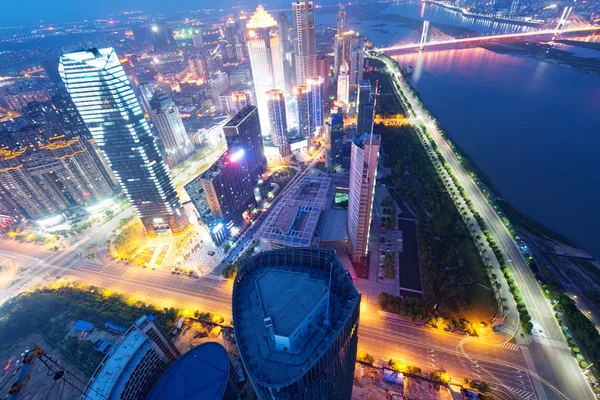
x=50, y=311
x=451, y=267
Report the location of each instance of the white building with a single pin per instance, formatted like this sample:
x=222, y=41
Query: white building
x=266, y=60
x=305, y=50
x=343, y=88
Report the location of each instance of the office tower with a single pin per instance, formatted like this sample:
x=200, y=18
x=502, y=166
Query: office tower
x=264, y=50
x=343, y=85
x=197, y=40
x=203, y=372
x=243, y=131
x=234, y=102
x=218, y=83
x=357, y=61
x=305, y=51
x=323, y=71
x=168, y=123
x=365, y=106
x=278, y=120
x=363, y=171
x=135, y=365
x=286, y=50
x=296, y=319
x=227, y=185
x=304, y=110
x=316, y=89
x=336, y=134
x=105, y=99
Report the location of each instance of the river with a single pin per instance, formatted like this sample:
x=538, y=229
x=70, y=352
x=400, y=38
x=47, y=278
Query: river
x=529, y=124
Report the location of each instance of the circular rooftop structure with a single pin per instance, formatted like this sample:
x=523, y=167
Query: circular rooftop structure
x=201, y=373
x=295, y=315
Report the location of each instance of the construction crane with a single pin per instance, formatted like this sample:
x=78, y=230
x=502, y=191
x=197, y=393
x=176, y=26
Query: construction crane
x=28, y=359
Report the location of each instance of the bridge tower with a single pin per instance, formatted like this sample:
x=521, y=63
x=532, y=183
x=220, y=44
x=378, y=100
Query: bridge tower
x=562, y=22
x=424, y=35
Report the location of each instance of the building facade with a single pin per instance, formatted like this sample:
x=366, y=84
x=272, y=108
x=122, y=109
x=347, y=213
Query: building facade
x=363, y=172
x=304, y=110
x=243, y=132
x=317, y=86
x=265, y=52
x=278, y=120
x=343, y=84
x=366, y=107
x=305, y=51
x=107, y=103
x=296, y=317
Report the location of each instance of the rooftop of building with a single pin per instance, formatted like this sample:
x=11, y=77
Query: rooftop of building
x=288, y=298
x=333, y=226
x=241, y=115
x=200, y=373
x=261, y=19
x=303, y=271
x=215, y=169
x=119, y=363
x=294, y=220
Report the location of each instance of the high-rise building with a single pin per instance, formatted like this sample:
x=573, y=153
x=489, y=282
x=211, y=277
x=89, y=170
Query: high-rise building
x=357, y=61
x=132, y=368
x=336, y=135
x=323, y=71
x=365, y=106
x=218, y=83
x=168, y=123
x=197, y=40
x=341, y=20
x=296, y=319
x=243, y=131
x=305, y=50
x=234, y=102
x=304, y=110
x=316, y=86
x=363, y=171
x=264, y=50
x=343, y=84
x=227, y=185
x=514, y=8
x=107, y=103
x=278, y=120
x=286, y=50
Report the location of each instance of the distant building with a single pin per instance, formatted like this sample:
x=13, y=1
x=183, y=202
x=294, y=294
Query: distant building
x=294, y=220
x=264, y=50
x=234, y=101
x=363, y=172
x=204, y=372
x=278, y=120
x=218, y=83
x=365, y=106
x=117, y=122
x=323, y=71
x=295, y=316
x=168, y=123
x=131, y=369
x=305, y=51
x=343, y=85
x=304, y=110
x=197, y=40
x=357, y=61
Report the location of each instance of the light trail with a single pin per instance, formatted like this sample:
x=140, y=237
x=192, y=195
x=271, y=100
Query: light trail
x=415, y=46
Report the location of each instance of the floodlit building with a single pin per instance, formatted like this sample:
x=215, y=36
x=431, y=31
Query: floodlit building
x=168, y=123
x=278, y=120
x=294, y=220
x=265, y=52
x=106, y=101
x=135, y=365
x=305, y=50
x=316, y=86
x=296, y=316
x=204, y=372
x=304, y=110
x=363, y=172
x=343, y=85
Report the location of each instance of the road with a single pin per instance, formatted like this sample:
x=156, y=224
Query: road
x=549, y=352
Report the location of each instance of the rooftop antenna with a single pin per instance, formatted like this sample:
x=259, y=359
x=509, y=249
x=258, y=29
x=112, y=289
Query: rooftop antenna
x=327, y=322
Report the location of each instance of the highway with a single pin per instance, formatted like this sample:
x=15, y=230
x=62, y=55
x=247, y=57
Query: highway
x=548, y=354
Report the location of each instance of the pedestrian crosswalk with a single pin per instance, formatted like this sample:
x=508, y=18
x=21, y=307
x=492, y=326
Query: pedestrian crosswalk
x=521, y=393
x=505, y=329
x=511, y=346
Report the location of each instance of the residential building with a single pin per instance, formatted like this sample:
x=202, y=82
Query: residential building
x=107, y=103
x=296, y=318
x=305, y=52
x=218, y=83
x=304, y=110
x=357, y=62
x=264, y=50
x=168, y=123
x=363, y=172
x=233, y=101
x=278, y=120
x=316, y=86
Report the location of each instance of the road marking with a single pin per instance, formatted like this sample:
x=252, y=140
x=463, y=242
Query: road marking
x=523, y=394
x=510, y=346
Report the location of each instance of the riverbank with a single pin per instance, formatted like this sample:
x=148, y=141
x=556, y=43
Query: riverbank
x=466, y=13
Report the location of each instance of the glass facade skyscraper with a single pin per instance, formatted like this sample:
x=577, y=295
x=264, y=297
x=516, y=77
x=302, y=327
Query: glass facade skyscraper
x=106, y=101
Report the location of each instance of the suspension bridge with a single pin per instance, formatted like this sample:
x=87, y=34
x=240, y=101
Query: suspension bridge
x=431, y=37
